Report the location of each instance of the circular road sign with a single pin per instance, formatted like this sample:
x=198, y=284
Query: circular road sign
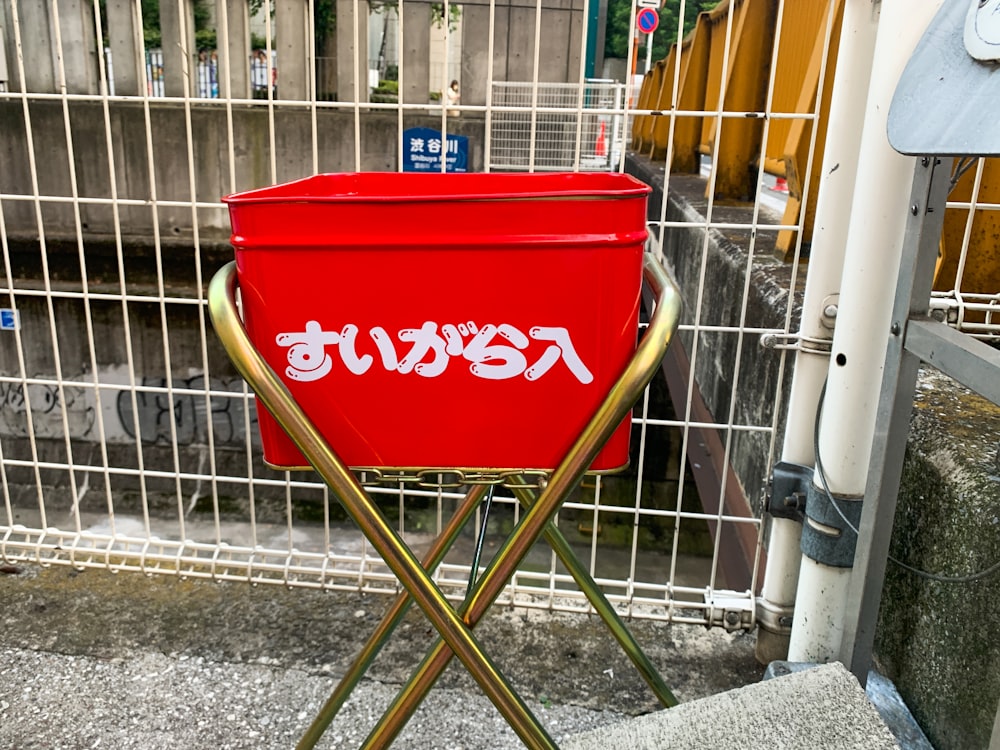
x=646, y=20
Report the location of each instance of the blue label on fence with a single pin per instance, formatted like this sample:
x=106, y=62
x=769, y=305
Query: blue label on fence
x=423, y=147
x=8, y=319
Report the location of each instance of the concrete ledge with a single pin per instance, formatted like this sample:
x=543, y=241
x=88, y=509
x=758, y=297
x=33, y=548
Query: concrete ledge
x=937, y=640
x=823, y=707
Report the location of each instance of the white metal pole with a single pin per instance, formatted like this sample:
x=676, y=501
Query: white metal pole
x=826, y=265
x=874, y=241
x=649, y=52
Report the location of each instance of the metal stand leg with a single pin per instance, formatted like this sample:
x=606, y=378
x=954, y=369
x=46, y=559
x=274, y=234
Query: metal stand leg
x=392, y=618
x=389, y=622
x=454, y=627
x=625, y=392
x=362, y=510
x=604, y=608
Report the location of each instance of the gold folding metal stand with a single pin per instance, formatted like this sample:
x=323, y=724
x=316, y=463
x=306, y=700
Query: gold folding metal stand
x=541, y=500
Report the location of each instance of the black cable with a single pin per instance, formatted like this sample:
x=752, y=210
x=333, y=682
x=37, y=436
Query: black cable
x=826, y=488
x=964, y=165
x=481, y=541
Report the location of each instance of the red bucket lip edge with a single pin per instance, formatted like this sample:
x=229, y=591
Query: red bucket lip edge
x=635, y=190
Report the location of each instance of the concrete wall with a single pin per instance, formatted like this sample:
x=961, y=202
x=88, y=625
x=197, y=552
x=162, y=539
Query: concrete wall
x=935, y=640
x=559, y=46
x=45, y=64
x=741, y=480
x=107, y=420
x=335, y=133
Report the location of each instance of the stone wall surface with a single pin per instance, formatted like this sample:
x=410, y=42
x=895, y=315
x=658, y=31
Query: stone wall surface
x=935, y=639
x=169, y=181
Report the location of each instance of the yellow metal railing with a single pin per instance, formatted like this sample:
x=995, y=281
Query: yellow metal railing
x=969, y=257
x=709, y=98
x=796, y=86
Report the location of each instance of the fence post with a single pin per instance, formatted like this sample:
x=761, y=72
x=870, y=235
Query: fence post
x=233, y=18
x=4, y=71
x=475, y=52
x=293, y=44
x=177, y=34
x=32, y=23
x=79, y=46
x=35, y=23
x=826, y=268
x=416, y=52
x=874, y=242
x=347, y=55
x=125, y=42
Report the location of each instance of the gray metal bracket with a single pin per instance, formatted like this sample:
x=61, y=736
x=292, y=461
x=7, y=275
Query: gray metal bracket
x=830, y=531
x=931, y=184
x=788, y=490
x=830, y=525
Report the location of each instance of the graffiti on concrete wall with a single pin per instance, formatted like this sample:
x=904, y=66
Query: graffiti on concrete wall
x=50, y=406
x=188, y=413
x=158, y=417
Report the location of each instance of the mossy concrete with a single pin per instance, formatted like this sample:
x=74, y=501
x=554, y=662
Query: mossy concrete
x=937, y=641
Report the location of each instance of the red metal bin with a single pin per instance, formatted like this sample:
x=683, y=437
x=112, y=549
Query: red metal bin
x=444, y=320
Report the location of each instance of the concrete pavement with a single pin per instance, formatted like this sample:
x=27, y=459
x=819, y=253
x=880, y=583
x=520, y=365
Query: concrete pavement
x=95, y=660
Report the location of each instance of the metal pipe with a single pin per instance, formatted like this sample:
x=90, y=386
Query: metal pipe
x=626, y=390
x=874, y=241
x=283, y=407
x=449, y=623
x=435, y=555
x=826, y=265
x=432, y=559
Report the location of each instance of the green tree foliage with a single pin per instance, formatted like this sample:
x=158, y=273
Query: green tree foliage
x=204, y=36
x=151, y=22
x=454, y=14
x=619, y=29
x=325, y=23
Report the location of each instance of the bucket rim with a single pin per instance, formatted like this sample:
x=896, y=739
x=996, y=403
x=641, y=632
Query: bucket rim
x=509, y=186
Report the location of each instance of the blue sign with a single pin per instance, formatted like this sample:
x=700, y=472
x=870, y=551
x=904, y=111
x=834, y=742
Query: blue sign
x=423, y=148
x=8, y=319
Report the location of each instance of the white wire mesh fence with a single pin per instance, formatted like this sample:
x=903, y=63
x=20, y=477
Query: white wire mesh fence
x=127, y=441
x=557, y=126
x=968, y=275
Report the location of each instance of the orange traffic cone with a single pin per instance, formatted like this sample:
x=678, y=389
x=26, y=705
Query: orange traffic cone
x=780, y=185
x=600, y=147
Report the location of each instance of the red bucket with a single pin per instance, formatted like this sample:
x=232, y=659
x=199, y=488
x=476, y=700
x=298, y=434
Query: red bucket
x=444, y=320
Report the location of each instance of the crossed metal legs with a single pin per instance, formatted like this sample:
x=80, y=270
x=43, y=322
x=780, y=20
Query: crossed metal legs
x=455, y=627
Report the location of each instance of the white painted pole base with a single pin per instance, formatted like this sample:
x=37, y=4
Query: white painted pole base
x=777, y=596
x=818, y=626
